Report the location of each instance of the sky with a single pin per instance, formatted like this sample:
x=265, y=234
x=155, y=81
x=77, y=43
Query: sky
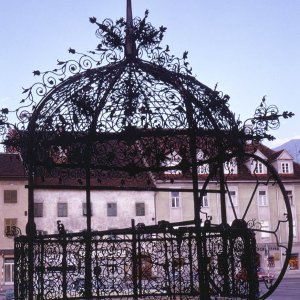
x=250, y=48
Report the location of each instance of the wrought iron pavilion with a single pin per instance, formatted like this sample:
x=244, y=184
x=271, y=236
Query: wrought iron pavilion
x=132, y=112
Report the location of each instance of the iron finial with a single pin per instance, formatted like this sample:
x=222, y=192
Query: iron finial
x=130, y=48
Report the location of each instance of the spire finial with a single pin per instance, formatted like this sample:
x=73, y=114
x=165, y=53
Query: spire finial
x=129, y=14
x=130, y=43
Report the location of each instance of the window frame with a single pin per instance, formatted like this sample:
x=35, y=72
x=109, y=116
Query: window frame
x=234, y=199
x=262, y=201
x=203, y=169
x=8, y=223
x=259, y=168
x=230, y=171
x=205, y=200
x=290, y=196
x=38, y=209
x=84, y=209
x=175, y=200
x=112, y=211
x=140, y=211
x=172, y=160
x=294, y=229
x=62, y=209
x=8, y=265
x=285, y=167
x=265, y=225
x=10, y=196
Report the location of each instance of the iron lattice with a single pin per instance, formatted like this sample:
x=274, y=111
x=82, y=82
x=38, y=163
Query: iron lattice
x=126, y=116
x=141, y=262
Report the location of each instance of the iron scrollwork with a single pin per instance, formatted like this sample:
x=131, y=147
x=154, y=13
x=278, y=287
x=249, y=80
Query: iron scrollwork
x=265, y=118
x=131, y=113
x=13, y=231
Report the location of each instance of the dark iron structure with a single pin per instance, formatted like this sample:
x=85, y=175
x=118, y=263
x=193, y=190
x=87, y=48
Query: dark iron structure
x=132, y=113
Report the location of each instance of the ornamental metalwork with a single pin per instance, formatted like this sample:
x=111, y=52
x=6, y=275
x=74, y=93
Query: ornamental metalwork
x=131, y=116
x=141, y=262
x=13, y=231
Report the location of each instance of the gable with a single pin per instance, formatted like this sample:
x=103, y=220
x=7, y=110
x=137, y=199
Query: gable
x=285, y=156
x=260, y=154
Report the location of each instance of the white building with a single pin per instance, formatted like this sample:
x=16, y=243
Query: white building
x=251, y=195
x=110, y=209
x=13, y=208
x=113, y=209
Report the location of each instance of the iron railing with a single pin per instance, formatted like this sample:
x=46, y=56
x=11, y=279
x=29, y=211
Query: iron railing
x=138, y=262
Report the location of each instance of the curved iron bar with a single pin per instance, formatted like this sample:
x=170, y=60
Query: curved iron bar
x=271, y=179
x=112, y=39
x=127, y=109
x=13, y=232
x=170, y=253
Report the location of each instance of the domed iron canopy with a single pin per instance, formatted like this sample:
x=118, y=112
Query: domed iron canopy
x=131, y=115
x=138, y=118
x=142, y=111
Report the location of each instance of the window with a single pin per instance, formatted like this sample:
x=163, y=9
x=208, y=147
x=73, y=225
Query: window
x=259, y=168
x=172, y=160
x=285, y=167
x=294, y=229
x=230, y=167
x=8, y=226
x=204, y=200
x=10, y=196
x=175, y=199
x=262, y=198
x=265, y=227
x=140, y=209
x=84, y=209
x=112, y=209
x=232, y=198
x=9, y=270
x=290, y=197
x=203, y=169
x=38, y=210
x=62, y=209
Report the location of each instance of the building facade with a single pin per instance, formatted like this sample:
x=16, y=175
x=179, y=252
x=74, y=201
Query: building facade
x=13, y=208
x=253, y=195
x=110, y=209
x=249, y=189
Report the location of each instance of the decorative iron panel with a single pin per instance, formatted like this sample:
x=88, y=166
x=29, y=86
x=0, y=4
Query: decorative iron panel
x=139, y=262
x=128, y=115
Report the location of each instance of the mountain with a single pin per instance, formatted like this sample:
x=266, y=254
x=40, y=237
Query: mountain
x=292, y=147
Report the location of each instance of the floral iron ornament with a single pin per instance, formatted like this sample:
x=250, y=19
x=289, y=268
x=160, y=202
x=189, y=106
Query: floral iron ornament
x=128, y=84
x=130, y=116
x=265, y=118
x=145, y=43
x=109, y=50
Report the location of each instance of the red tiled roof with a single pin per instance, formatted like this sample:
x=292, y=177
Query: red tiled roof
x=11, y=166
x=244, y=173
x=110, y=179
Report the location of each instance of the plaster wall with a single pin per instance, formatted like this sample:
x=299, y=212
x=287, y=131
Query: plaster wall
x=76, y=221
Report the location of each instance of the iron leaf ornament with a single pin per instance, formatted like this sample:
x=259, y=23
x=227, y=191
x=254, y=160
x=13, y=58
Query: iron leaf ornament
x=126, y=116
x=147, y=50
x=265, y=118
